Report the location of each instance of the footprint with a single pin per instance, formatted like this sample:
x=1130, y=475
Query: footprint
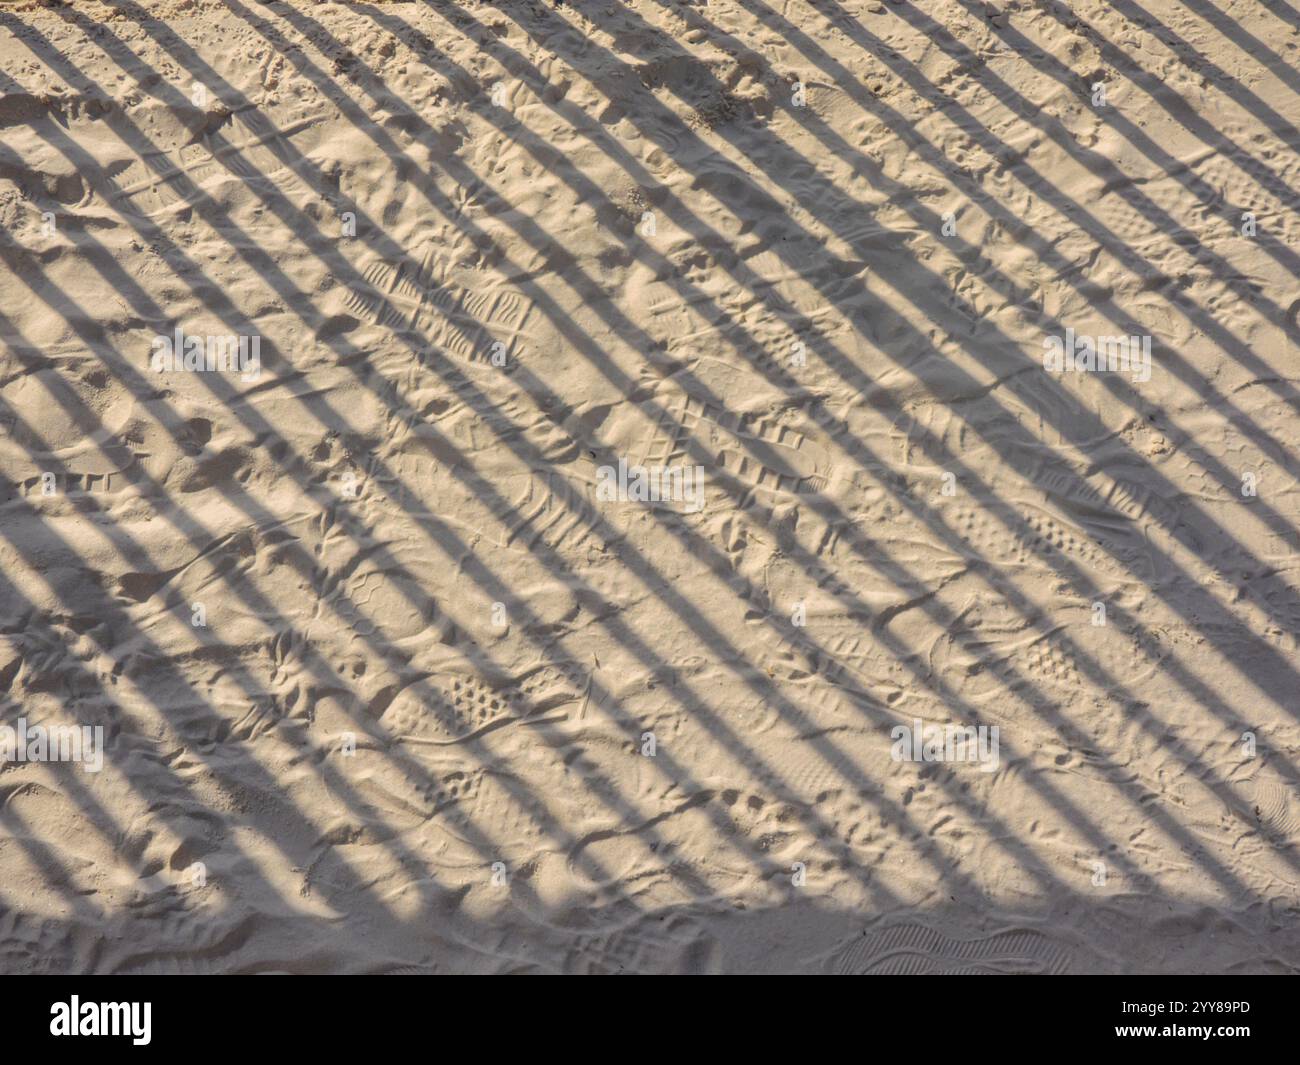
x=791, y=465
x=455, y=707
x=407, y=298
x=449, y=710
x=1038, y=539
x=666, y=943
x=549, y=509
x=917, y=949
x=1277, y=807
x=499, y=810
x=57, y=485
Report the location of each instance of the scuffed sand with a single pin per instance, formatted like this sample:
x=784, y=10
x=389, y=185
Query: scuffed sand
x=905, y=516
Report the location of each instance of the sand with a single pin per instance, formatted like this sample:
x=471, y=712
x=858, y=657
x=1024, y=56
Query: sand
x=930, y=656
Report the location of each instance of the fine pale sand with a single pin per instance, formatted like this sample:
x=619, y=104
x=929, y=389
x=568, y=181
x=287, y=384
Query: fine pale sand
x=396, y=668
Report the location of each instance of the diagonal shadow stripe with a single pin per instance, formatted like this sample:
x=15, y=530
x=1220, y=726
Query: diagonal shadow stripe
x=1284, y=11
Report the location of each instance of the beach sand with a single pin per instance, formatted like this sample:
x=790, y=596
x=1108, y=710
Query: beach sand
x=933, y=656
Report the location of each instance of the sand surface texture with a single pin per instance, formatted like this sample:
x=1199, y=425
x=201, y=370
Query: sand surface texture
x=396, y=673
